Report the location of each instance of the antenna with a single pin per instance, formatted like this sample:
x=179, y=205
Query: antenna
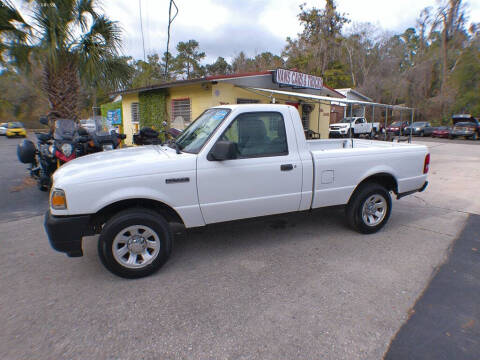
x=141, y=28
x=170, y=20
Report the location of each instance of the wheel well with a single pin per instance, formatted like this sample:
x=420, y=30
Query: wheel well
x=384, y=179
x=102, y=216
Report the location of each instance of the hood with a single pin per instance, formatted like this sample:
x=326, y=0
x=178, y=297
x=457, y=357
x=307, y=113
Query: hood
x=127, y=162
x=340, y=124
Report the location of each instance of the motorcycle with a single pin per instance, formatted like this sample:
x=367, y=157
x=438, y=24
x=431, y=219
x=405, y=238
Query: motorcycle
x=149, y=136
x=67, y=142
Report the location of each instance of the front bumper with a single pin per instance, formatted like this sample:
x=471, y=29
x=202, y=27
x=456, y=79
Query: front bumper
x=462, y=133
x=414, y=132
x=337, y=133
x=16, y=133
x=65, y=232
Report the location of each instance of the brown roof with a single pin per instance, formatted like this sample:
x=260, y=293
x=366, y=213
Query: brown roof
x=203, y=79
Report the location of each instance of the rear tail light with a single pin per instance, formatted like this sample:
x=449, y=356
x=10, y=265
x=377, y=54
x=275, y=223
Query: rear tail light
x=426, y=165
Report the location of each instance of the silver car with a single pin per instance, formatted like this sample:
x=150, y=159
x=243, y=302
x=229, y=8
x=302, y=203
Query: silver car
x=3, y=128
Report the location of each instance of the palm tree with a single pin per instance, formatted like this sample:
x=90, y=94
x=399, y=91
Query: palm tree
x=13, y=29
x=75, y=44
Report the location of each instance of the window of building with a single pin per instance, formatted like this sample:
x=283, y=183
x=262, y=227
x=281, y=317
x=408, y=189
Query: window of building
x=258, y=134
x=135, y=113
x=181, y=112
x=247, y=101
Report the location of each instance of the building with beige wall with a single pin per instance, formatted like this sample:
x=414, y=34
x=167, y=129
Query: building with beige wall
x=181, y=102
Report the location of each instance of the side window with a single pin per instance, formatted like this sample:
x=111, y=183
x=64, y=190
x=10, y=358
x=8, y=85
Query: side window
x=135, y=113
x=258, y=134
x=181, y=113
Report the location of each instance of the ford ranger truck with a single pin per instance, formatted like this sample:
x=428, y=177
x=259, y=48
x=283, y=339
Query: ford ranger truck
x=234, y=162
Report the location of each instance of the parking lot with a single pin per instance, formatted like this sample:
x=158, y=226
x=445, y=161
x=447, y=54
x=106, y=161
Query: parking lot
x=300, y=286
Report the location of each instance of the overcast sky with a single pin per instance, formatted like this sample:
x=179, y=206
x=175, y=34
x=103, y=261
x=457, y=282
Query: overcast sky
x=226, y=27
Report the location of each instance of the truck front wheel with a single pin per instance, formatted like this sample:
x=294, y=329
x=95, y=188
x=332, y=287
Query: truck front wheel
x=135, y=243
x=369, y=208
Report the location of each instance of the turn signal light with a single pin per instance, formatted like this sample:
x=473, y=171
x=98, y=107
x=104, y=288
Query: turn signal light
x=58, y=200
x=426, y=165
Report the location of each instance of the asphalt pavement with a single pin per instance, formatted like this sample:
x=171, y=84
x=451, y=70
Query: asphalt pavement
x=20, y=197
x=301, y=286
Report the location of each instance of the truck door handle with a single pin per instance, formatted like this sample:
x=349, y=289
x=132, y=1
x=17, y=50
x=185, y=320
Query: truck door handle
x=286, y=167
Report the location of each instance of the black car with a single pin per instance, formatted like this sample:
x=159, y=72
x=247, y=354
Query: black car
x=465, y=125
x=420, y=128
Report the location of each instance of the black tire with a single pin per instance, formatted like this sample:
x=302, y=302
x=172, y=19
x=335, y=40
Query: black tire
x=355, y=206
x=136, y=217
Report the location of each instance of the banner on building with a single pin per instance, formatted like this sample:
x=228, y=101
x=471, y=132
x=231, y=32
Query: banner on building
x=114, y=117
x=297, y=79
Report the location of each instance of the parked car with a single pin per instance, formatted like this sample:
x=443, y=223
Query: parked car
x=397, y=127
x=419, y=128
x=359, y=125
x=15, y=128
x=3, y=128
x=233, y=162
x=465, y=125
x=441, y=132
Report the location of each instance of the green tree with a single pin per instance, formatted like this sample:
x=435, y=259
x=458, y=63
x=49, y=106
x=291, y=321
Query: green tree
x=187, y=61
x=13, y=30
x=74, y=43
x=219, y=67
x=148, y=72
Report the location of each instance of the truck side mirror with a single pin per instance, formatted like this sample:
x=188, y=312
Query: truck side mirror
x=223, y=150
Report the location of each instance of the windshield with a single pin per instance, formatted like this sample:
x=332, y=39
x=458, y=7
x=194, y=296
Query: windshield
x=14, y=125
x=396, y=123
x=465, y=124
x=195, y=136
x=347, y=120
x=64, y=129
x=418, y=124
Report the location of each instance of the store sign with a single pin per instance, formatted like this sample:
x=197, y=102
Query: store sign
x=114, y=117
x=297, y=79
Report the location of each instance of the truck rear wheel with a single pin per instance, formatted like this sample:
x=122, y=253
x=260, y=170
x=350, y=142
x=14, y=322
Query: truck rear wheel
x=369, y=208
x=135, y=243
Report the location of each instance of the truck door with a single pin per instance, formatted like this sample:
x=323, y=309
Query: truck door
x=361, y=126
x=264, y=179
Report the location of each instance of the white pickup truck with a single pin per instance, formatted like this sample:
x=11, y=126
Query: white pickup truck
x=233, y=162
x=359, y=125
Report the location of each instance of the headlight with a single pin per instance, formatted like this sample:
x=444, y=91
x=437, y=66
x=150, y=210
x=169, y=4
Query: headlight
x=67, y=149
x=58, y=201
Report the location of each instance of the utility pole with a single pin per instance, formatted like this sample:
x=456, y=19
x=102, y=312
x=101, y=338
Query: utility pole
x=141, y=28
x=170, y=20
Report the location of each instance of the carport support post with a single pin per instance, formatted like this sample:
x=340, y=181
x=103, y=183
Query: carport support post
x=411, y=122
x=351, y=127
x=386, y=121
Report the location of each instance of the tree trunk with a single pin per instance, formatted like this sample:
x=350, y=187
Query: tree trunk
x=62, y=85
x=444, y=54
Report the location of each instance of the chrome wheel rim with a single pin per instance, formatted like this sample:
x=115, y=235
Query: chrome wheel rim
x=136, y=246
x=374, y=210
